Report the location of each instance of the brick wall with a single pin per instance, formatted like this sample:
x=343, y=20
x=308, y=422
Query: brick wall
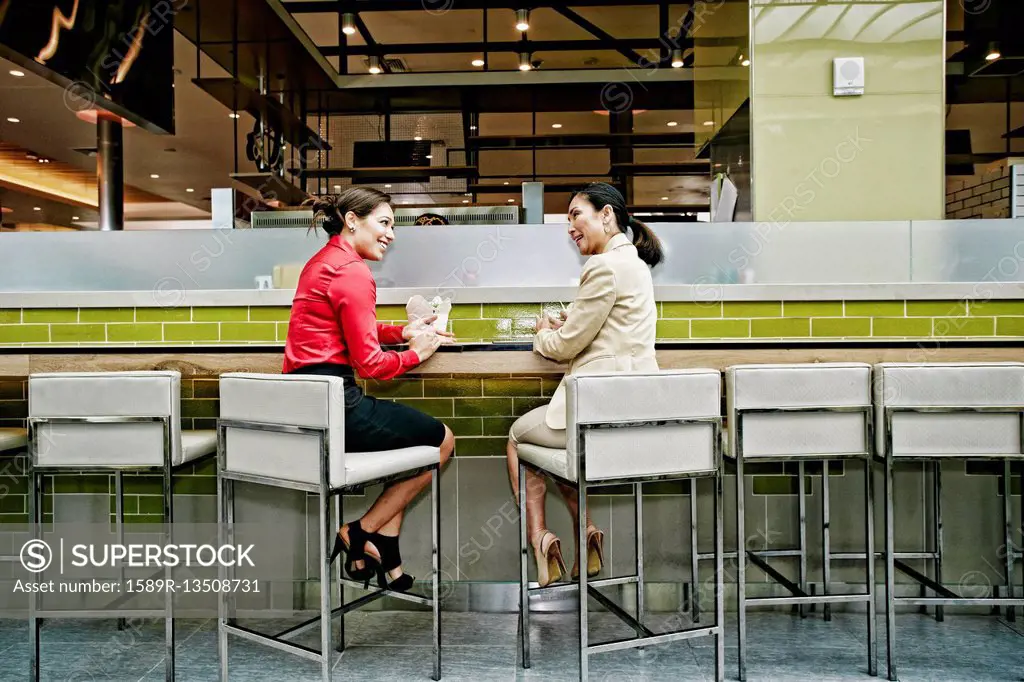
x=981, y=196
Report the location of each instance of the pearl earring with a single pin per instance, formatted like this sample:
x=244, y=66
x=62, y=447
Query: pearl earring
x=351, y=229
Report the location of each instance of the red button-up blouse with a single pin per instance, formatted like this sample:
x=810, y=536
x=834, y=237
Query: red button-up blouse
x=334, y=318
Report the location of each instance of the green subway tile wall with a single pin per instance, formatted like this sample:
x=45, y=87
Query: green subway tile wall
x=487, y=322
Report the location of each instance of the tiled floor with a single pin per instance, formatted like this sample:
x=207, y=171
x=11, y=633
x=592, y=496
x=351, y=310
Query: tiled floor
x=482, y=647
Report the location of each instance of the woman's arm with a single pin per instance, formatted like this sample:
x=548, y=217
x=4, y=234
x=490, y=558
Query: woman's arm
x=590, y=309
x=354, y=298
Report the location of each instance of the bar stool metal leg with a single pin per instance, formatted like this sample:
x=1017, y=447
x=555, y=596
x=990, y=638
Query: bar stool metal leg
x=937, y=502
x=638, y=498
x=826, y=539
x=694, y=554
x=869, y=536
x=719, y=523
x=168, y=572
x=435, y=525
x=339, y=512
x=800, y=608
x=581, y=557
x=223, y=537
x=325, y=570
x=119, y=524
x=741, y=572
x=35, y=505
x=1008, y=521
x=524, y=595
x=890, y=605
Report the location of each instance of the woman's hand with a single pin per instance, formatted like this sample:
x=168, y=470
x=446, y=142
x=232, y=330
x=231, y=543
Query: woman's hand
x=425, y=345
x=424, y=325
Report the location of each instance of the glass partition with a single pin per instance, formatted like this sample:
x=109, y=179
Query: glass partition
x=522, y=255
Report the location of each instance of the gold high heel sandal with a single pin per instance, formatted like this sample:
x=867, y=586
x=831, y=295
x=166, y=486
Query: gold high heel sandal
x=595, y=554
x=548, y=553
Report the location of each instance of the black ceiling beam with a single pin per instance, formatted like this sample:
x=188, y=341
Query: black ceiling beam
x=602, y=35
x=506, y=46
x=371, y=44
x=581, y=141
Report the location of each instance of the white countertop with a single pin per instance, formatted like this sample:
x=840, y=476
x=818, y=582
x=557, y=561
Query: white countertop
x=702, y=292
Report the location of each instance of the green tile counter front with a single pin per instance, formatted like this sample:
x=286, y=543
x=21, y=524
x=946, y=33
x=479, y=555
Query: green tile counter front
x=726, y=320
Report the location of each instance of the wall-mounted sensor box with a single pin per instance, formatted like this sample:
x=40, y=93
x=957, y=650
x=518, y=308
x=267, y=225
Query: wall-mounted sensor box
x=847, y=76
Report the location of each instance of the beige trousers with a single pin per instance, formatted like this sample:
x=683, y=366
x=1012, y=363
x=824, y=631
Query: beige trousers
x=530, y=428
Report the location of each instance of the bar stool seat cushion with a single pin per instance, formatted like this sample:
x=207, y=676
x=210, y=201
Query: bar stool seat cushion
x=368, y=466
x=940, y=385
x=549, y=459
x=13, y=439
x=106, y=395
x=196, y=444
x=811, y=392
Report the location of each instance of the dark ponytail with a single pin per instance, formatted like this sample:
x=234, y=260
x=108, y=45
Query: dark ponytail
x=332, y=207
x=601, y=194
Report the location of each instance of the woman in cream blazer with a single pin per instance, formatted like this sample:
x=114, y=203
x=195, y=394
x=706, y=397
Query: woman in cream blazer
x=610, y=327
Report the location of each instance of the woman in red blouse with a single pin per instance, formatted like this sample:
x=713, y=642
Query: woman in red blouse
x=333, y=330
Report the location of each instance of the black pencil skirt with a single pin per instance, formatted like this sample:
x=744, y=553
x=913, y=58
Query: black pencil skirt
x=372, y=424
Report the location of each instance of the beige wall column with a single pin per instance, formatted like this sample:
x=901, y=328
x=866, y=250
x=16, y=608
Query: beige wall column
x=878, y=156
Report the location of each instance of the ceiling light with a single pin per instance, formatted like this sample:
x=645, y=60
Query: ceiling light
x=506, y=182
x=477, y=62
x=36, y=208
x=337, y=188
x=677, y=59
x=664, y=198
x=387, y=186
x=511, y=201
x=374, y=63
x=745, y=62
x=418, y=138
x=189, y=190
x=524, y=61
x=556, y=125
x=993, y=52
x=234, y=115
x=522, y=19
x=672, y=124
x=430, y=156
x=465, y=201
x=11, y=119
x=16, y=73
x=74, y=217
x=709, y=123
x=348, y=24
x=154, y=176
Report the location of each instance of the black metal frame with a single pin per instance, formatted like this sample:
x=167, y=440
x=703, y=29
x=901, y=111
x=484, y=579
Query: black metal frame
x=583, y=586
x=225, y=503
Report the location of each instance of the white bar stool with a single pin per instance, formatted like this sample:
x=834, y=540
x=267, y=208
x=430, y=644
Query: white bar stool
x=288, y=431
x=630, y=428
x=798, y=413
x=108, y=422
x=941, y=412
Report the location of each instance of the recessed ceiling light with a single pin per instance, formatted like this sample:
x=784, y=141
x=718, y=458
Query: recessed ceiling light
x=36, y=208
x=511, y=201
x=556, y=125
x=418, y=138
x=709, y=123
x=664, y=198
x=430, y=156
x=477, y=62
x=11, y=119
x=189, y=190
x=16, y=73
x=234, y=115
x=74, y=217
x=465, y=201
x=506, y=182
x=672, y=124
x=154, y=176
x=387, y=186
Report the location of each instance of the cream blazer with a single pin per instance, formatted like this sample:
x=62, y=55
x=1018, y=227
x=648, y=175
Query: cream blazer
x=611, y=325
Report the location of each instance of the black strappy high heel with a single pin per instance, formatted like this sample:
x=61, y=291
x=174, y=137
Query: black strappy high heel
x=356, y=551
x=390, y=559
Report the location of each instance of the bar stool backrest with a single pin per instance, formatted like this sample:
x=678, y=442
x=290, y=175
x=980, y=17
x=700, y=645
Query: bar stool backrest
x=298, y=400
x=617, y=449
x=106, y=402
x=799, y=409
x=950, y=409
